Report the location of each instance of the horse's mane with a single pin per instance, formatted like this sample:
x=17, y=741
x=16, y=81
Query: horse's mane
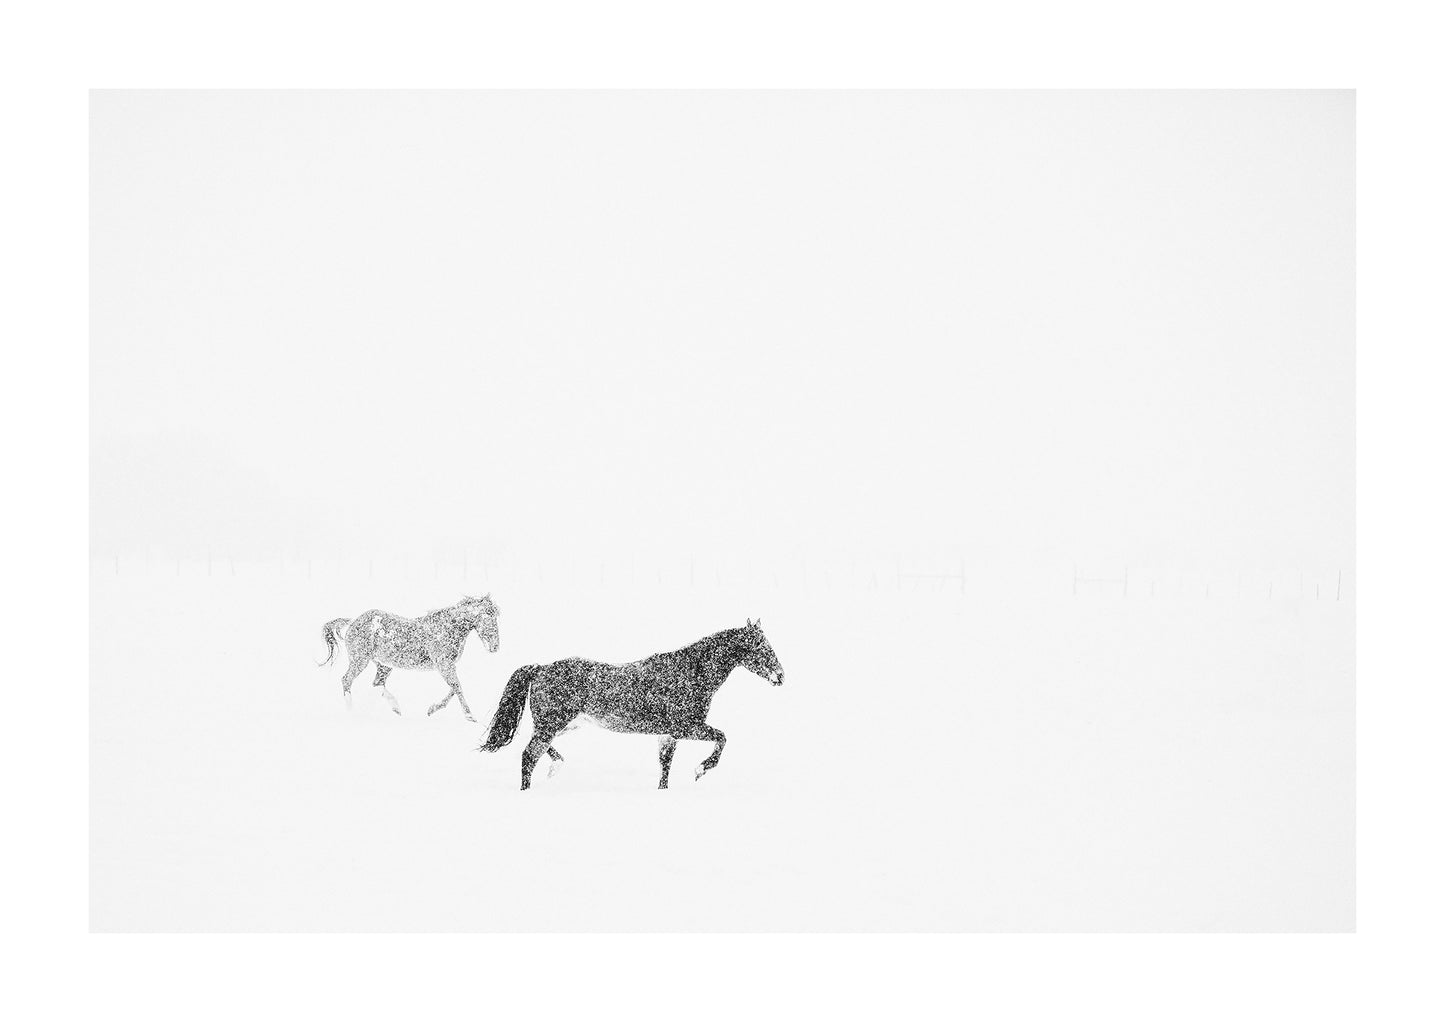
x=467, y=603
x=487, y=604
x=727, y=639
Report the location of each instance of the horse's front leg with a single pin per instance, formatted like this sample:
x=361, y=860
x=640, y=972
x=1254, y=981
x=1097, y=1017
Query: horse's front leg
x=437, y=706
x=449, y=673
x=706, y=733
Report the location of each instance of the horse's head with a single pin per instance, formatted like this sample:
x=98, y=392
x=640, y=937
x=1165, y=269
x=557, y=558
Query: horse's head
x=482, y=612
x=757, y=653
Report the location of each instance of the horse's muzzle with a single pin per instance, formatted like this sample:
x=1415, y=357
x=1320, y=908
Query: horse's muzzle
x=778, y=678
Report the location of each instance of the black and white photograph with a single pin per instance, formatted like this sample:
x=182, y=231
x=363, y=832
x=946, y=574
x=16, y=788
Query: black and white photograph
x=722, y=511
x=767, y=510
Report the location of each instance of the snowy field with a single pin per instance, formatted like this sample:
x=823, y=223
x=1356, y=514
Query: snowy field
x=936, y=760
x=457, y=342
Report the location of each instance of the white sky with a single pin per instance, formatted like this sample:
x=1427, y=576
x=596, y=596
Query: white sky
x=1108, y=324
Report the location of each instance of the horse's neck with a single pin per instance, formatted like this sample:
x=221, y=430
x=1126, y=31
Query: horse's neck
x=719, y=658
x=452, y=623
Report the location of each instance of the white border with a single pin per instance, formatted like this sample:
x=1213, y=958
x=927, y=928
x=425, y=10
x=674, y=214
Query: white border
x=55, y=53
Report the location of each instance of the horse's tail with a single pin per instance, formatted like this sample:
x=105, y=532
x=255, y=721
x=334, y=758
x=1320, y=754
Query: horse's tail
x=331, y=633
x=504, y=722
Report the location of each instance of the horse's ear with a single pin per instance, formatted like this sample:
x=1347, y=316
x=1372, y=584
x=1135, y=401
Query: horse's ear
x=750, y=622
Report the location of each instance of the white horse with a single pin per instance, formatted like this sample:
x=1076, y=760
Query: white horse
x=430, y=643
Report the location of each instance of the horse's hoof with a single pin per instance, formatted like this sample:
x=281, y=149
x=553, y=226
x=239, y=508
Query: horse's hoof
x=471, y=718
x=431, y=710
x=396, y=710
x=697, y=774
x=552, y=771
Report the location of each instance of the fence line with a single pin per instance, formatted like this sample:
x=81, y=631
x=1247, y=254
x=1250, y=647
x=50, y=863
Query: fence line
x=858, y=574
x=1123, y=582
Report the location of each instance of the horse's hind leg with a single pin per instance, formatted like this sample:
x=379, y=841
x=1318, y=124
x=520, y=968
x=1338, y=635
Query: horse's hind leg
x=541, y=743
x=666, y=746
x=531, y=754
x=557, y=759
x=353, y=670
x=382, y=671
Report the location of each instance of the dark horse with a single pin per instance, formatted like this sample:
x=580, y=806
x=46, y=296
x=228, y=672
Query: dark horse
x=667, y=695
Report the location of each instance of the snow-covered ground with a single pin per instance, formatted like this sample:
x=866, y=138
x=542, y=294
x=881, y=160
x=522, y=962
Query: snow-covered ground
x=989, y=760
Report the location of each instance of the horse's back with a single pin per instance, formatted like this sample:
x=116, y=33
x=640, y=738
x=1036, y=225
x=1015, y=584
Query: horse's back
x=646, y=696
x=369, y=622
x=391, y=639
x=591, y=675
